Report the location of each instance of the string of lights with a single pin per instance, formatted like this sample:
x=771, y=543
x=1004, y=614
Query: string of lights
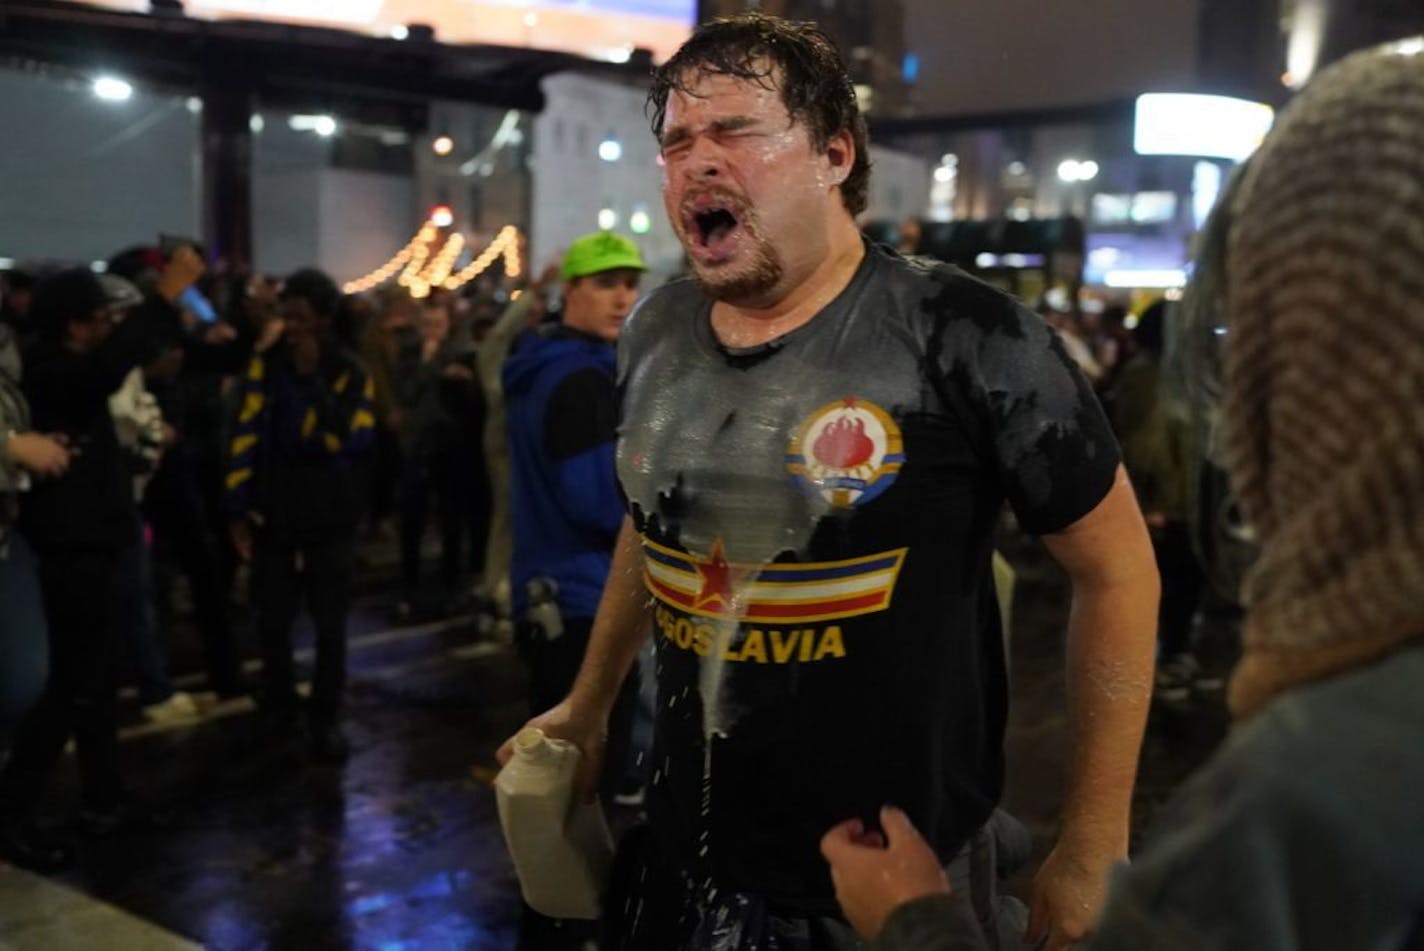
x=420, y=271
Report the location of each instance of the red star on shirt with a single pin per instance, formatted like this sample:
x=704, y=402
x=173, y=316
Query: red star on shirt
x=716, y=593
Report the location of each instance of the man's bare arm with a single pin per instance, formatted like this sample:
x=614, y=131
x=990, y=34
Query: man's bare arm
x=618, y=632
x=619, y=628
x=1111, y=644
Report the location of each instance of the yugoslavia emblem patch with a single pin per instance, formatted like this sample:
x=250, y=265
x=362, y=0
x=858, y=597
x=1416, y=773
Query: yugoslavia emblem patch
x=847, y=452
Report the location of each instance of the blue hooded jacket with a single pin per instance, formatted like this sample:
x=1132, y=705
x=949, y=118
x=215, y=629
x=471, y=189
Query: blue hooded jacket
x=562, y=408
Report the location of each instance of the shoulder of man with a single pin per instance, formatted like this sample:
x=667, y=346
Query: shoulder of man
x=674, y=300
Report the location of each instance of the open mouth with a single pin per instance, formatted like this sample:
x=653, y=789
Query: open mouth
x=712, y=225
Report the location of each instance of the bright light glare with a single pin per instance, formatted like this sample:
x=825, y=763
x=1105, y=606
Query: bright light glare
x=443, y=145
x=399, y=32
x=610, y=150
x=112, y=89
x=441, y=216
x=1205, y=126
x=639, y=222
x=1072, y=170
x=607, y=219
x=323, y=126
x=944, y=173
x=256, y=123
x=1410, y=47
x=1166, y=277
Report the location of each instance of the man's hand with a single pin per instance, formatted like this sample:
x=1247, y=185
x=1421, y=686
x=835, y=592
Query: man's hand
x=874, y=876
x=586, y=731
x=182, y=269
x=272, y=330
x=1068, y=895
x=219, y=333
x=458, y=371
x=45, y=456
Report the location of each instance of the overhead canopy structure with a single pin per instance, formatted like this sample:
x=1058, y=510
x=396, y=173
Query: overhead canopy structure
x=303, y=68
x=236, y=66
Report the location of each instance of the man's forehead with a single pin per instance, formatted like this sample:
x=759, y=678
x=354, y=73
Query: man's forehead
x=703, y=91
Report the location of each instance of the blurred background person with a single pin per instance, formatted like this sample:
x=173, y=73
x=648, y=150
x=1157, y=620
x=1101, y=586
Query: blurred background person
x=1153, y=431
x=80, y=525
x=25, y=455
x=442, y=415
x=295, y=495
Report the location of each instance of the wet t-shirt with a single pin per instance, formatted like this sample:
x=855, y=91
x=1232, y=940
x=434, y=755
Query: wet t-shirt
x=817, y=517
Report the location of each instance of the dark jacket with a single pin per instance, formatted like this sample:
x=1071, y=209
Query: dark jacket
x=92, y=506
x=14, y=417
x=438, y=412
x=299, y=445
x=562, y=410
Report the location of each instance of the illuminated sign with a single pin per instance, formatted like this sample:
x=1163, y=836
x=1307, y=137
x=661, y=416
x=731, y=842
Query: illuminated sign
x=1205, y=126
x=599, y=29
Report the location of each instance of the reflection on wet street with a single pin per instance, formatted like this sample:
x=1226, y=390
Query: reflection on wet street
x=250, y=846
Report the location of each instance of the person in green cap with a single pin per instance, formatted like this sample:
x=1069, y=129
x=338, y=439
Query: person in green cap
x=562, y=410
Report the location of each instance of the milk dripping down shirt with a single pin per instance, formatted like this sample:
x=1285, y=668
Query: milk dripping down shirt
x=817, y=516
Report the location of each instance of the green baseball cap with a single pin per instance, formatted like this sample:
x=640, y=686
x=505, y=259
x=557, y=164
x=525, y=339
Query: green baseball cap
x=600, y=251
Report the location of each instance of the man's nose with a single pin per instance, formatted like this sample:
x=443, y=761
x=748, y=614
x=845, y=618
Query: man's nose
x=705, y=159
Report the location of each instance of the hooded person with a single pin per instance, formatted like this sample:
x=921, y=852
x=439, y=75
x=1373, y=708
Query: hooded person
x=1303, y=831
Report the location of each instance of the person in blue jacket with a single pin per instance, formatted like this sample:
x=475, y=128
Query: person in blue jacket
x=562, y=407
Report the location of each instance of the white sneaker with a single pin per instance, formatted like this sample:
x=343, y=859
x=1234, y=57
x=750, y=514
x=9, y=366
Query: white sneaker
x=179, y=708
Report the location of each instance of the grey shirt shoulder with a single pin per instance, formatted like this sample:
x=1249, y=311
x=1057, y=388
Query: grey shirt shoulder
x=1304, y=831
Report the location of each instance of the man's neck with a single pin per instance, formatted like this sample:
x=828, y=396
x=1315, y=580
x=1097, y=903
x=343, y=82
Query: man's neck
x=749, y=324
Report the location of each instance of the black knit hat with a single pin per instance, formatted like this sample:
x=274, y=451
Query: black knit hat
x=64, y=298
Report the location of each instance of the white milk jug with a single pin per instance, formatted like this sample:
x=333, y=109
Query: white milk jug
x=561, y=847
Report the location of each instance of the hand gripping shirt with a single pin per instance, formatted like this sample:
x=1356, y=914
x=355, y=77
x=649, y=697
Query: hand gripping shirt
x=817, y=517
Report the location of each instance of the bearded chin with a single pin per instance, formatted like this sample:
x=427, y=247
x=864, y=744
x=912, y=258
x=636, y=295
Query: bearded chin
x=747, y=283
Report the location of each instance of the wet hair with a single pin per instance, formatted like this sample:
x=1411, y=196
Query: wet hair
x=795, y=58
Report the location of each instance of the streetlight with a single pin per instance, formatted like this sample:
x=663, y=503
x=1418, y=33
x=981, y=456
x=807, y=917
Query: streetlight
x=1072, y=170
x=112, y=89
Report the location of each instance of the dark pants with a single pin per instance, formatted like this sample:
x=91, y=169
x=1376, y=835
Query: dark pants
x=24, y=638
x=454, y=478
x=552, y=668
x=138, y=626
x=653, y=905
x=79, y=700
x=385, y=475
x=185, y=537
x=1181, y=587
x=282, y=569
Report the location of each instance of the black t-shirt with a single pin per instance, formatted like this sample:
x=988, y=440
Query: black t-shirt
x=817, y=516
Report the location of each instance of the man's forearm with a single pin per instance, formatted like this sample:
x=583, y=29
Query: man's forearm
x=1109, y=685
x=618, y=629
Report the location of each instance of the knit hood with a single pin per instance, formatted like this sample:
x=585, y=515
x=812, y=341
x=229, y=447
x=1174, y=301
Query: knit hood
x=1324, y=396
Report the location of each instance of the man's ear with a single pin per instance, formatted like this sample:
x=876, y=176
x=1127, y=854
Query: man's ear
x=840, y=155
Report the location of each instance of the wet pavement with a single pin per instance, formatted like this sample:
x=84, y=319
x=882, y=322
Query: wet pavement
x=252, y=847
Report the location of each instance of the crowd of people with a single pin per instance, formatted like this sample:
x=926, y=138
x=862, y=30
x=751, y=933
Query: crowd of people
x=159, y=421
x=787, y=476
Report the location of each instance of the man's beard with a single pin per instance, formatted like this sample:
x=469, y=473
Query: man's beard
x=739, y=283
